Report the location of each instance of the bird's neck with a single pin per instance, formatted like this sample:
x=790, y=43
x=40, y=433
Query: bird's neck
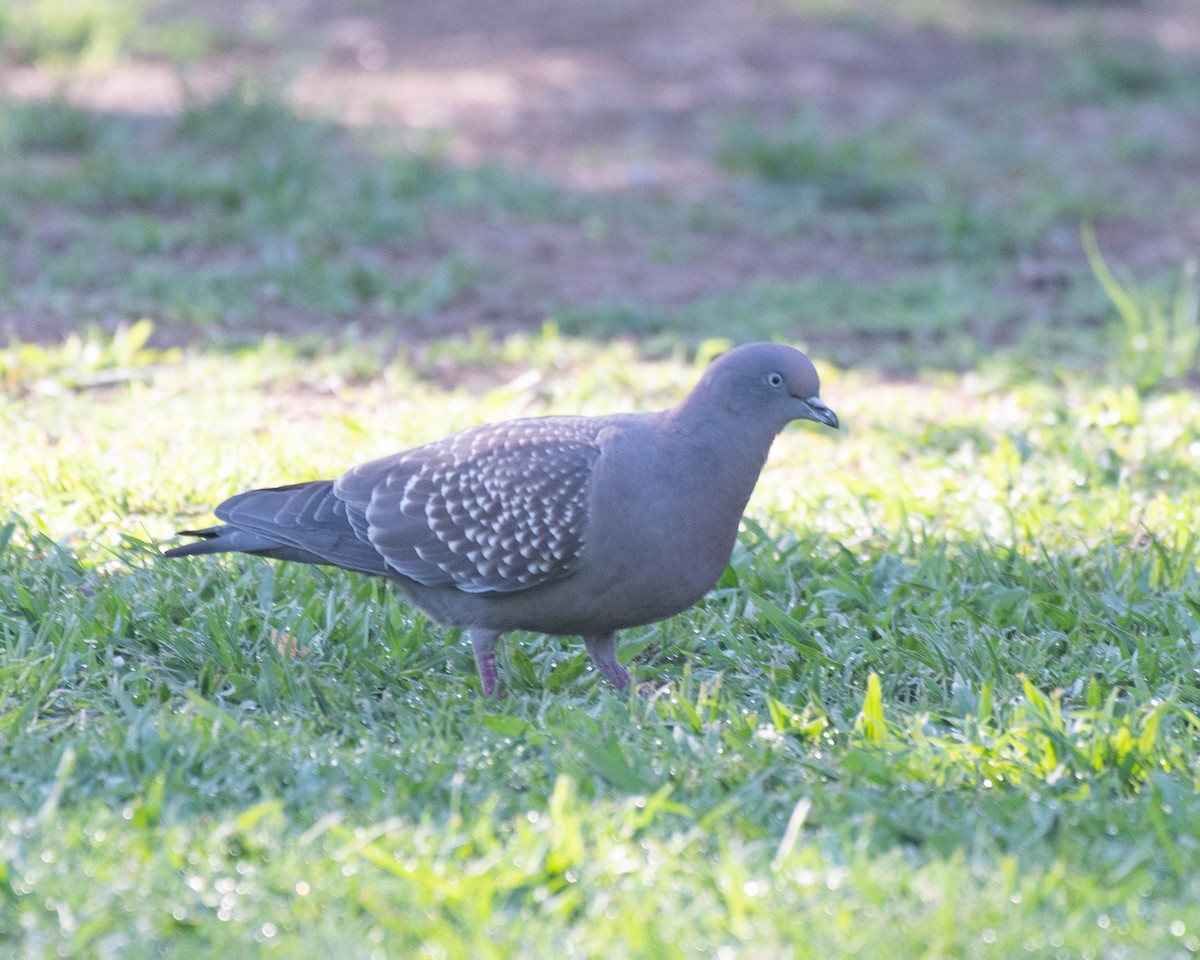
x=732, y=449
x=745, y=438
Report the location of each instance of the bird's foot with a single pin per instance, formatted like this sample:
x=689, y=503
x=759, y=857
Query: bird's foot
x=616, y=674
x=484, y=644
x=603, y=651
x=487, y=677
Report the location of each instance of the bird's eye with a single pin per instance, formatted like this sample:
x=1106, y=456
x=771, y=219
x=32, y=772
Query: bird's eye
x=775, y=380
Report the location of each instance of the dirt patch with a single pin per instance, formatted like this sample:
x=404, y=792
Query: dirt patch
x=611, y=96
x=633, y=98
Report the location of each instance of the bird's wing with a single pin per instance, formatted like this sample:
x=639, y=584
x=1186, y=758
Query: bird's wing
x=498, y=508
x=303, y=521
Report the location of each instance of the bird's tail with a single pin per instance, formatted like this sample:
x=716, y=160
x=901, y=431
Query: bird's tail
x=302, y=522
x=222, y=539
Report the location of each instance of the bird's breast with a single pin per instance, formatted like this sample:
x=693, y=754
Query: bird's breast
x=666, y=522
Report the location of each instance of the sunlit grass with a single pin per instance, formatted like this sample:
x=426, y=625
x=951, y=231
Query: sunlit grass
x=1159, y=336
x=77, y=33
x=949, y=685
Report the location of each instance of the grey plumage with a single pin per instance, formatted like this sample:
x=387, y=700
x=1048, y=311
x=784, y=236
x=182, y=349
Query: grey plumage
x=497, y=508
x=562, y=525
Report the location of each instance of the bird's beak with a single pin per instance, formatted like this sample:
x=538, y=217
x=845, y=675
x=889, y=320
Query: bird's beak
x=816, y=410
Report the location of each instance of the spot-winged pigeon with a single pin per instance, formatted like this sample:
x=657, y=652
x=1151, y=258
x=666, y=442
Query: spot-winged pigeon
x=560, y=525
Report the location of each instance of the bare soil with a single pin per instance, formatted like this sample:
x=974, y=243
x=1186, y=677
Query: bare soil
x=624, y=97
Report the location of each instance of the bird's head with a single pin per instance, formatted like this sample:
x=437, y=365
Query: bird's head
x=768, y=382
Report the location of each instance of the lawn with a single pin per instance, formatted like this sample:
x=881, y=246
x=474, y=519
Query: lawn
x=945, y=701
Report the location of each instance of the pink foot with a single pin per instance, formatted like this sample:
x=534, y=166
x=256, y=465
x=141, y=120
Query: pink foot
x=484, y=643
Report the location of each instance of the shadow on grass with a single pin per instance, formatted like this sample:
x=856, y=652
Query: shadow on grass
x=239, y=218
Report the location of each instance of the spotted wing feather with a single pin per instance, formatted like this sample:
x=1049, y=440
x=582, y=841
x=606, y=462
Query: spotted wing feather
x=498, y=508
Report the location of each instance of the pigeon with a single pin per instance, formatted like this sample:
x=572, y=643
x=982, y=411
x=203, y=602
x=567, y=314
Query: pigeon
x=561, y=525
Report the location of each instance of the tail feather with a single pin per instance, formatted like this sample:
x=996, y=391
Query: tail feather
x=210, y=542
x=303, y=522
x=223, y=539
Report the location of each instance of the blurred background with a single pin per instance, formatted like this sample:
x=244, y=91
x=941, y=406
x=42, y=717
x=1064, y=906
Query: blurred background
x=897, y=187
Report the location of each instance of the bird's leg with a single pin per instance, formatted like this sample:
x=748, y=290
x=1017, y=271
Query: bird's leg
x=603, y=651
x=484, y=642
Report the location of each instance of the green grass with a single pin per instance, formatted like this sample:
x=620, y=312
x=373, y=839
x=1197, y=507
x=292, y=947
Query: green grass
x=1159, y=335
x=945, y=699
x=94, y=34
x=918, y=314
x=236, y=210
x=945, y=702
x=865, y=172
x=87, y=33
x=241, y=215
x=1113, y=72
